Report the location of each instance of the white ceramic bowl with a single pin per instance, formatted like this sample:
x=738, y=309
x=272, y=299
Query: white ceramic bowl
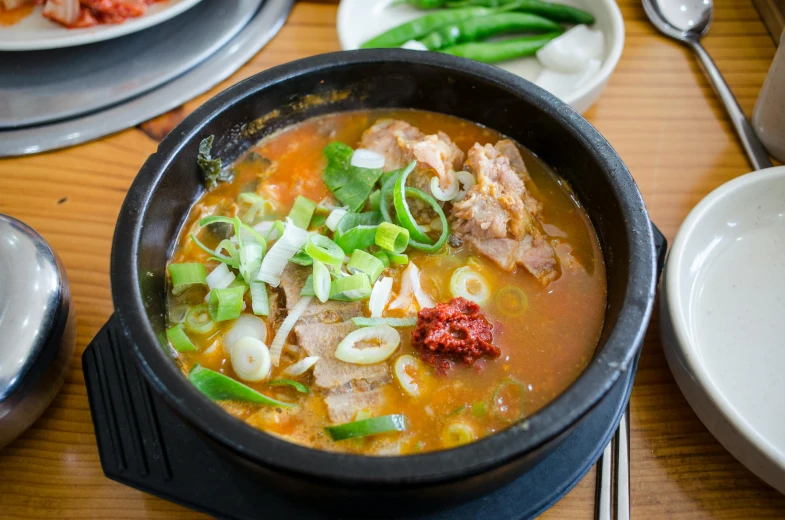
x=722, y=318
x=360, y=20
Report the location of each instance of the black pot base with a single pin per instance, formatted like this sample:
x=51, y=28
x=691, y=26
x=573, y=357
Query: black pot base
x=143, y=444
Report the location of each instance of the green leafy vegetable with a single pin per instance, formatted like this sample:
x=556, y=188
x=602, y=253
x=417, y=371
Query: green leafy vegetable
x=210, y=167
x=288, y=382
x=219, y=387
x=365, y=427
x=351, y=185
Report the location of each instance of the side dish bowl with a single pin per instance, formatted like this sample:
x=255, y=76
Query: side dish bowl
x=721, y=312
x=169, y=183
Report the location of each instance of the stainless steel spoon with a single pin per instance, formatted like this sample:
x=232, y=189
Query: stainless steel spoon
x=687, y=21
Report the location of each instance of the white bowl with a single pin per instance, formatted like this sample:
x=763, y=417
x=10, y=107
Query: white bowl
x=360, y=20
x=722, y=318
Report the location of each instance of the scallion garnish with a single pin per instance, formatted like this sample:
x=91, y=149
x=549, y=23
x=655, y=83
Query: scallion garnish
x=349, y=184
x=362, y=262
x=219, y=387
x=382, y=255
x=321, y=248
x=185, y=275
x=214, y=254
x=260, y=304
x=198, y=320
x=350, y=288
x=274, y=262
x=365, y=427
x=374, y=200
x=397, y=259
x=392, y=238
x=362, y=321
x=307, y=289
x=321, y=281
x=256, y=206
x=226, y=304
x=302, y=212
x=335, y=218
x=288, y=382
x=360, y=237
x=179, y=340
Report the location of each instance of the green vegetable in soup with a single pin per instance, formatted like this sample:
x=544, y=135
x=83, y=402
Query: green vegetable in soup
x=179, y=340
x=219, y=387
x=365, y=427
x=288, y=382
x=210, y=167
x=351, y=185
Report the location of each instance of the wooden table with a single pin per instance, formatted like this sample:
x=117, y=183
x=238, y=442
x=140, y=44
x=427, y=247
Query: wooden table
x=658, y=111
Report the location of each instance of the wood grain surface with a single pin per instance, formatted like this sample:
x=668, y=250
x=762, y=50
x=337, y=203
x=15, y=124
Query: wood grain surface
x=658, y=111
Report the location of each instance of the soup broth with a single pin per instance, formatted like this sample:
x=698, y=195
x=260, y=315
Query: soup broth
x=546, y=330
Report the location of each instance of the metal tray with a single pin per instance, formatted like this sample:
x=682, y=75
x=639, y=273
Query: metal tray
x=263, y=24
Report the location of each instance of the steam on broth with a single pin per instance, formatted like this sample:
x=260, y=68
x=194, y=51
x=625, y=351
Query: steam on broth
x=319, y=296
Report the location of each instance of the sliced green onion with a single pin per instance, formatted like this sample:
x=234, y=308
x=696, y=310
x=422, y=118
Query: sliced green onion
x=397, y=259
x=365, y=427
x=307, y=289
x=321, y=248
x=352, y=220
x=457, y=434
x=198, y=320
x=214, y=254
x=250, y=260
x=319, y=218
x=186, y=275
x=321, y=281
x=392, y=238
x=362, y=262
x=301, y=367
x=335, y=218
x=302, y=211
x=512, y=301
x=288, y=382
x=468, y=283
x=220, y=277
x=230, y=247
x=385, y=341
x=360, y=237
x=179, y=340
x=402, y=211
x=301, y=258
x=226, y=304
x=380, y=295
x=256, y=208
x=274, y=262
x=480, y=409
x=374, y=200
x=362, y=321
x=505, y=409
x=206, y=221
x=219, y=387
x=350, y=288
x=260, y=303
x=381, y=255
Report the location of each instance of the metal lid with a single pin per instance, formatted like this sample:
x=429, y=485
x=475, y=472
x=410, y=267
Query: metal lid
x=31, y=294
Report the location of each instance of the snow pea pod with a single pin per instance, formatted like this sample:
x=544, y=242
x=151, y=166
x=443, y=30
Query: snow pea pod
x=556, y=12
x=484, y=27
x=418, y=28
x=494, y=52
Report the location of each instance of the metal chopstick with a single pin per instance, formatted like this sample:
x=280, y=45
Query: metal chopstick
x=605, y=485
x=622, y=472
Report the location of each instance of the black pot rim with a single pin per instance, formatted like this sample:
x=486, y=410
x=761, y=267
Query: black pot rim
x=430, y=468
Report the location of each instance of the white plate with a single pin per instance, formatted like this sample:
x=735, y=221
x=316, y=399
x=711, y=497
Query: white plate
x=360, y=20
x=35, y=32
x=722, y=318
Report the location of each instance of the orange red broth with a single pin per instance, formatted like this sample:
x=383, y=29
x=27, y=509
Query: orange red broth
x=545, y=348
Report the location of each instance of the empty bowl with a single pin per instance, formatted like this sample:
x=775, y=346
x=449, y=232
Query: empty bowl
x=722, y=318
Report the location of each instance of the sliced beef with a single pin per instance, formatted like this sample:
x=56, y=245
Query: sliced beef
x=342, y=407
x=498, y=215
x=292, y=282
x=320, y=339
x=400, y=143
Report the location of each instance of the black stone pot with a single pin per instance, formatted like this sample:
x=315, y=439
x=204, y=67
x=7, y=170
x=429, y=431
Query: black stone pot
x=168, y=184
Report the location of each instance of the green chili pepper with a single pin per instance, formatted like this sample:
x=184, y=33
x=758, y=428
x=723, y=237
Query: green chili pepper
x=493, y=52
x=556, y=12
x=365, y=427
x=484, y=27
x=418, y=28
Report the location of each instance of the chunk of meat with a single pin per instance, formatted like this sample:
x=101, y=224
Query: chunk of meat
x=342, y=406
x=498, y=215
x=400, y=143
x=292, y=282
x=319, y=339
